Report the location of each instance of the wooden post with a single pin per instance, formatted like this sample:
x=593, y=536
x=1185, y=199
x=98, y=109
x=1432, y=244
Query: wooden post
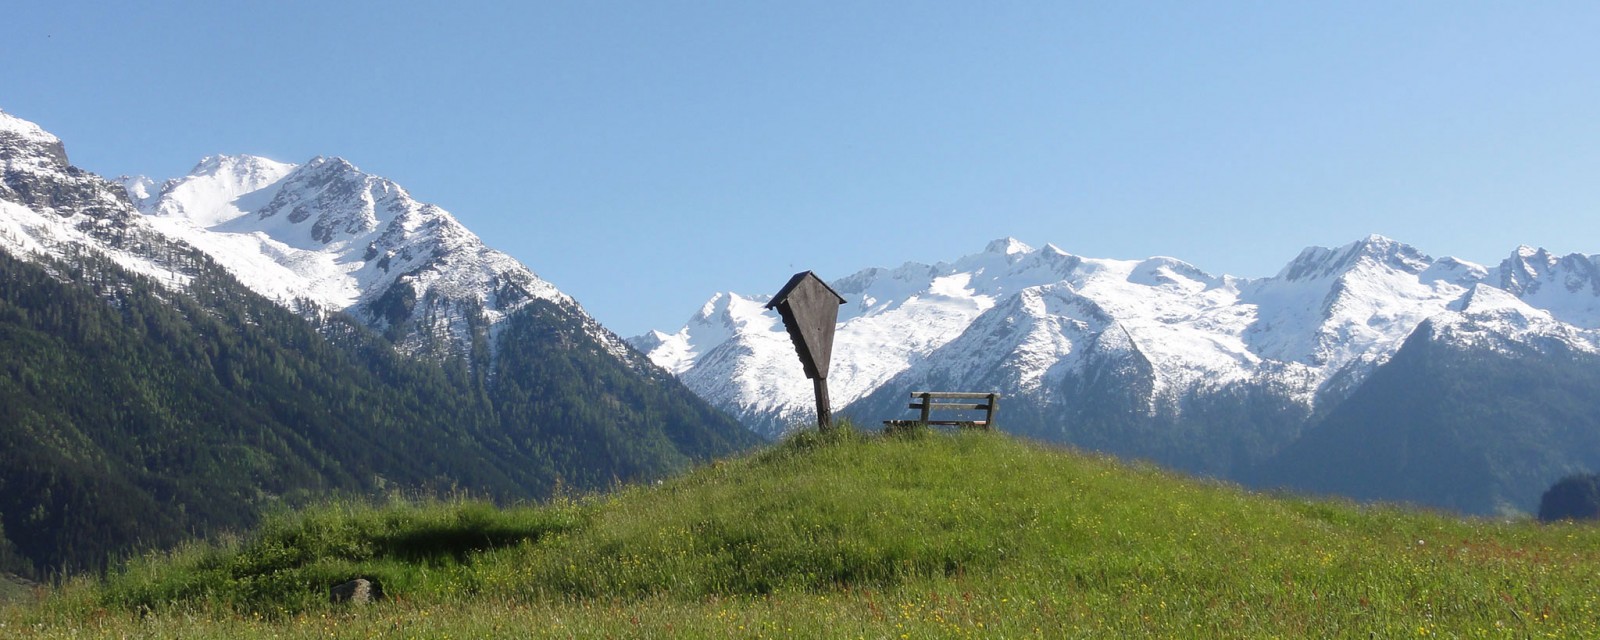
x=927, y=406
x=824, y=411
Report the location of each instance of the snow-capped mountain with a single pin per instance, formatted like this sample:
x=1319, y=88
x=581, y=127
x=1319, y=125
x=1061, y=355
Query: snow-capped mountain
x=1027, y=321
x=737, y=355
x=325, y=237
x=319, y=236
x=329, y=234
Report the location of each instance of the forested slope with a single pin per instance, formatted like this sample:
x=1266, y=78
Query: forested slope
x=132, y=416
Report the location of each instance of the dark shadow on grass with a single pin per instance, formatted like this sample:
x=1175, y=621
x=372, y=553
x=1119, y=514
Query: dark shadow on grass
x=457, y=542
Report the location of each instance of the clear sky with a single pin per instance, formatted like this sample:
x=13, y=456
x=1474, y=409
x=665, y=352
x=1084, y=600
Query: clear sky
x=644, y=155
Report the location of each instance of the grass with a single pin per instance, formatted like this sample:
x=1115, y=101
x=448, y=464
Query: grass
x=847, y=536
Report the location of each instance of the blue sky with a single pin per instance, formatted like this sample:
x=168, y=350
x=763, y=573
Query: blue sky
x=644, y=155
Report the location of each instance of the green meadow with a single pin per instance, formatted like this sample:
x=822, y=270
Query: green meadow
x=845, y=535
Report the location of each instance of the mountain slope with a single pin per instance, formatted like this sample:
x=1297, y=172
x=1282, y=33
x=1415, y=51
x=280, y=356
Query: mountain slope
x=329, y=234
x=132, y=417
x=1480, y=411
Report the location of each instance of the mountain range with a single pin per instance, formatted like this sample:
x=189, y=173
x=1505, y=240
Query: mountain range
x=178, y=358
x=1259, y=380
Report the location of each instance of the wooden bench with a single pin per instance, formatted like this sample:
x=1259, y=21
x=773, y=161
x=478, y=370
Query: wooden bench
x=929, y=401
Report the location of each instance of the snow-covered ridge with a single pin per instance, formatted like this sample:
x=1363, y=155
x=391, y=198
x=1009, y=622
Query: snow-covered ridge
x=322, y=233
x=1022, y=319
x=1566, y=286
x=21, y=139
x=329, y=233
x=1491, y=318
x=49, y=208
x=211, y=194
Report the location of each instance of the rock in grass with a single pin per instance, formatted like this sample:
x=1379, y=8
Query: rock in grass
x=357, y=591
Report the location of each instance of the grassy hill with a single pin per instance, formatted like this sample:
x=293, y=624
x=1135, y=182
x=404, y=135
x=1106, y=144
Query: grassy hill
x=848, y=536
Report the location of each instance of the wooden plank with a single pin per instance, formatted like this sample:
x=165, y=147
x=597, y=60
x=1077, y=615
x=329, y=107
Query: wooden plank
x=936, y=422
x=959, y=407
x=896, y=426
x=951, y=395
x=952, y=406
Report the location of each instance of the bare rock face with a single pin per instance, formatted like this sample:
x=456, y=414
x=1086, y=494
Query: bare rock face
x=34, y=172
x=357, y=591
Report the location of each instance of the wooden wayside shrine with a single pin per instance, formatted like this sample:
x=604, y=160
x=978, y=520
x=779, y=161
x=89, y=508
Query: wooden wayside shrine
x=928, y=402
x=810, y=311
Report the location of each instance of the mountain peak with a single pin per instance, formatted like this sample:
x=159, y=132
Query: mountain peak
x=23, y=139
x=1376, y=250
x=716, y=305
x=1165, y=271
x=1567, y=286
x=1387, y=249
x=237, y=164
x=215, y=191
x=332, y=164
x=1521, y=272
x=1007, y=246
x=208, y=165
